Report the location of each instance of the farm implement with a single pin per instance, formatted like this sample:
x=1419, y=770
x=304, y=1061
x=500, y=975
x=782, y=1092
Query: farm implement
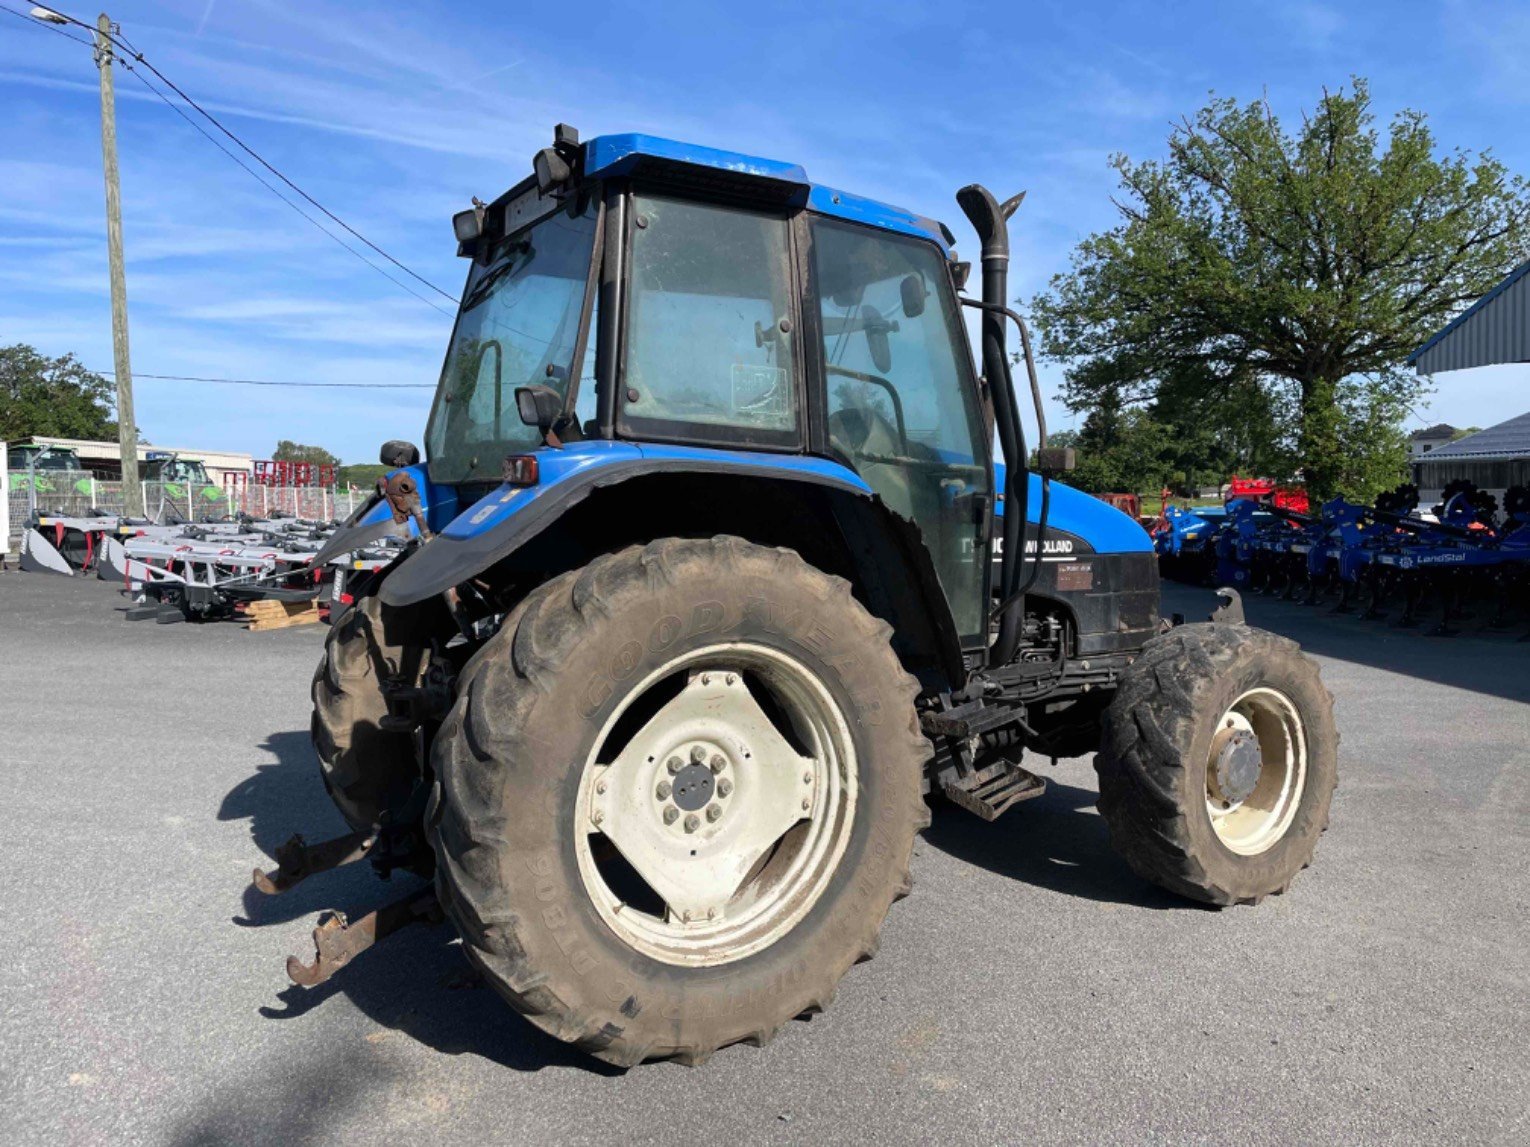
x=205, y=571
x=1368, y=559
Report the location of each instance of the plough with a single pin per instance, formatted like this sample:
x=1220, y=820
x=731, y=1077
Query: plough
x=1365, y=558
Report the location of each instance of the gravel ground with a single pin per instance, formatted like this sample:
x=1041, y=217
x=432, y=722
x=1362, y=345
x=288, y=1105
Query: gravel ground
x=1032, y=989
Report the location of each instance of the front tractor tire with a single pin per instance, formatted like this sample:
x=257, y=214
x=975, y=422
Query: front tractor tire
x=676, y=796
x=369, y=770
x=1218, y=760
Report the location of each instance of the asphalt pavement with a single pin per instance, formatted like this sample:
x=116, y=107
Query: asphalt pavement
x=1032, y=989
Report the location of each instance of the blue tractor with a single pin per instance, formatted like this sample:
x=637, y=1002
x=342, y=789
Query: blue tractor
x=715, y=580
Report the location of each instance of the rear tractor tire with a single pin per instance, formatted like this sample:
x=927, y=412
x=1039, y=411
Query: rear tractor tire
x=1218, y=760
x=676, y=795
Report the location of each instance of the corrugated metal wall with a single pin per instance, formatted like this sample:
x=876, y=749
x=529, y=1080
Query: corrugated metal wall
x=1498, y=331
x=1488, y=473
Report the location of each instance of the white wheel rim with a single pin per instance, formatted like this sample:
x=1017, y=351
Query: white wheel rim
x=751, y=842
x=1250, y=811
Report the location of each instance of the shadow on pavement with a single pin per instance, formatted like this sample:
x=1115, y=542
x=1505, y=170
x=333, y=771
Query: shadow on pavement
x=416, y=982
x=1055, y=841
x=1479, y=660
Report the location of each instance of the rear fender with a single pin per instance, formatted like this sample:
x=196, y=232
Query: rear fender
x=508, y=517
x=879, y=551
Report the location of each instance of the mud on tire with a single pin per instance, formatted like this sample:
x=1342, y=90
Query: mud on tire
x=1153, y=761
x=509, y=761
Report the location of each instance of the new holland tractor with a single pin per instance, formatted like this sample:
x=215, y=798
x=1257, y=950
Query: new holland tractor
x=715, y=581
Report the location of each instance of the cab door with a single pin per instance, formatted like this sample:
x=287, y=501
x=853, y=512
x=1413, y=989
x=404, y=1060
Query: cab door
x=900, y=403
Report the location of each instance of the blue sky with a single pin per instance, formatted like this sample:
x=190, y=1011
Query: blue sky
x=394, y=114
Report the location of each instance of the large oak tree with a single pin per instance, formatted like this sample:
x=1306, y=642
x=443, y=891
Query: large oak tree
x=1308, y=263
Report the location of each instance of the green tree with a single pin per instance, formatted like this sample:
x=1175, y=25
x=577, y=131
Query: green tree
x=52, y=396
x=288, y=451
x=1305, y=264
x=363, y=475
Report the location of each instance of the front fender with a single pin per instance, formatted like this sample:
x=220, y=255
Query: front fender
x=508, y=517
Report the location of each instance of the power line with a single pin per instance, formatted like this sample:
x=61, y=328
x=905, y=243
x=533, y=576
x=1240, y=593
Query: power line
x=253, y=154
x=134, y=54
x=255, y=175
x=269, y=382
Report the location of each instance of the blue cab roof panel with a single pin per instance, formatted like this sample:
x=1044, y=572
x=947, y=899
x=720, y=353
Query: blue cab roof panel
x=619, y=154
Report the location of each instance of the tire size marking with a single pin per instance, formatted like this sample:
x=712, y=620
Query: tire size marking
x=554, y=917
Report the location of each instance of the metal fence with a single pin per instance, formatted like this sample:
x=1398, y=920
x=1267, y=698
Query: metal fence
x=75, y=493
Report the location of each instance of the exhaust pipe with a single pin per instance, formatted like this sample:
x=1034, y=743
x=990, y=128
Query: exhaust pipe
x=989, y=218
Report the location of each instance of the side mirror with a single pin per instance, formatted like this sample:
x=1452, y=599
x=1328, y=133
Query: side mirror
x=539, y=406
x=1056, y=460
x=876, y=329
x=398, y=454
x=914, y=294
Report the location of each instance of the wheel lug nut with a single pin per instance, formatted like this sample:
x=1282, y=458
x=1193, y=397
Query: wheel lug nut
x=807, y=778
x=600, y=787
x=663, y=791
x=698, y=754
x=692, y=823
x=806, y=804
x=714, y=811
x=730, y=679
x=724, y=787
x=673, y=765
x=671, y=814
x=719, y=763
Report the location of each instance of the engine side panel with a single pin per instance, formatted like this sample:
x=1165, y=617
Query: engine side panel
x=1098, y=564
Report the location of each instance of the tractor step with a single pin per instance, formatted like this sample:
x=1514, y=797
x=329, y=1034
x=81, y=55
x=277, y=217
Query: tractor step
x=994, y=789
x=969, y=720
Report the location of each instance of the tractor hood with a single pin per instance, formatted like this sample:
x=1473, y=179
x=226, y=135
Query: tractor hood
x=1105, y=528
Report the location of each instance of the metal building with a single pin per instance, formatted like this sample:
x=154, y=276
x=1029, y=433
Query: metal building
x=1493, y=331
x=1495, y=459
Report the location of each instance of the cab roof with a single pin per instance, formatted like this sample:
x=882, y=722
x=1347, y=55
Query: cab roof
x=626, y=153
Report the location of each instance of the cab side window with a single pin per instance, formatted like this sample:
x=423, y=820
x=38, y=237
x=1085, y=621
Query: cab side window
x=709, y=350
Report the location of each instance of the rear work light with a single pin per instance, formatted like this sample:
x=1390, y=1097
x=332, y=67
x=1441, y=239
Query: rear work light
x=520, y=470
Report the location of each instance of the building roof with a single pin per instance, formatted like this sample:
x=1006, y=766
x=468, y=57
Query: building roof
x=1440, y=430
x=1509, y=439
x=619, y=154
x=1493, y=330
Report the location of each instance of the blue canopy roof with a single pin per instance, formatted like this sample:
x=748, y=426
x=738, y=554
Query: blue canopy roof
x=618, y=154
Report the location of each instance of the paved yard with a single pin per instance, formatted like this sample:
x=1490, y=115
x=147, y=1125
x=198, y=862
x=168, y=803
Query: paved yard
x=1031, y=990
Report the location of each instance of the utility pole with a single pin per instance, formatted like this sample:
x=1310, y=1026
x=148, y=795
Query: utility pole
x=127, y=430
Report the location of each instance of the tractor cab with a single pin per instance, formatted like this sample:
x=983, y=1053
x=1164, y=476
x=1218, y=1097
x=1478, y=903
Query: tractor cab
x=164, y=466
x=29, y=457
x=684, y=299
